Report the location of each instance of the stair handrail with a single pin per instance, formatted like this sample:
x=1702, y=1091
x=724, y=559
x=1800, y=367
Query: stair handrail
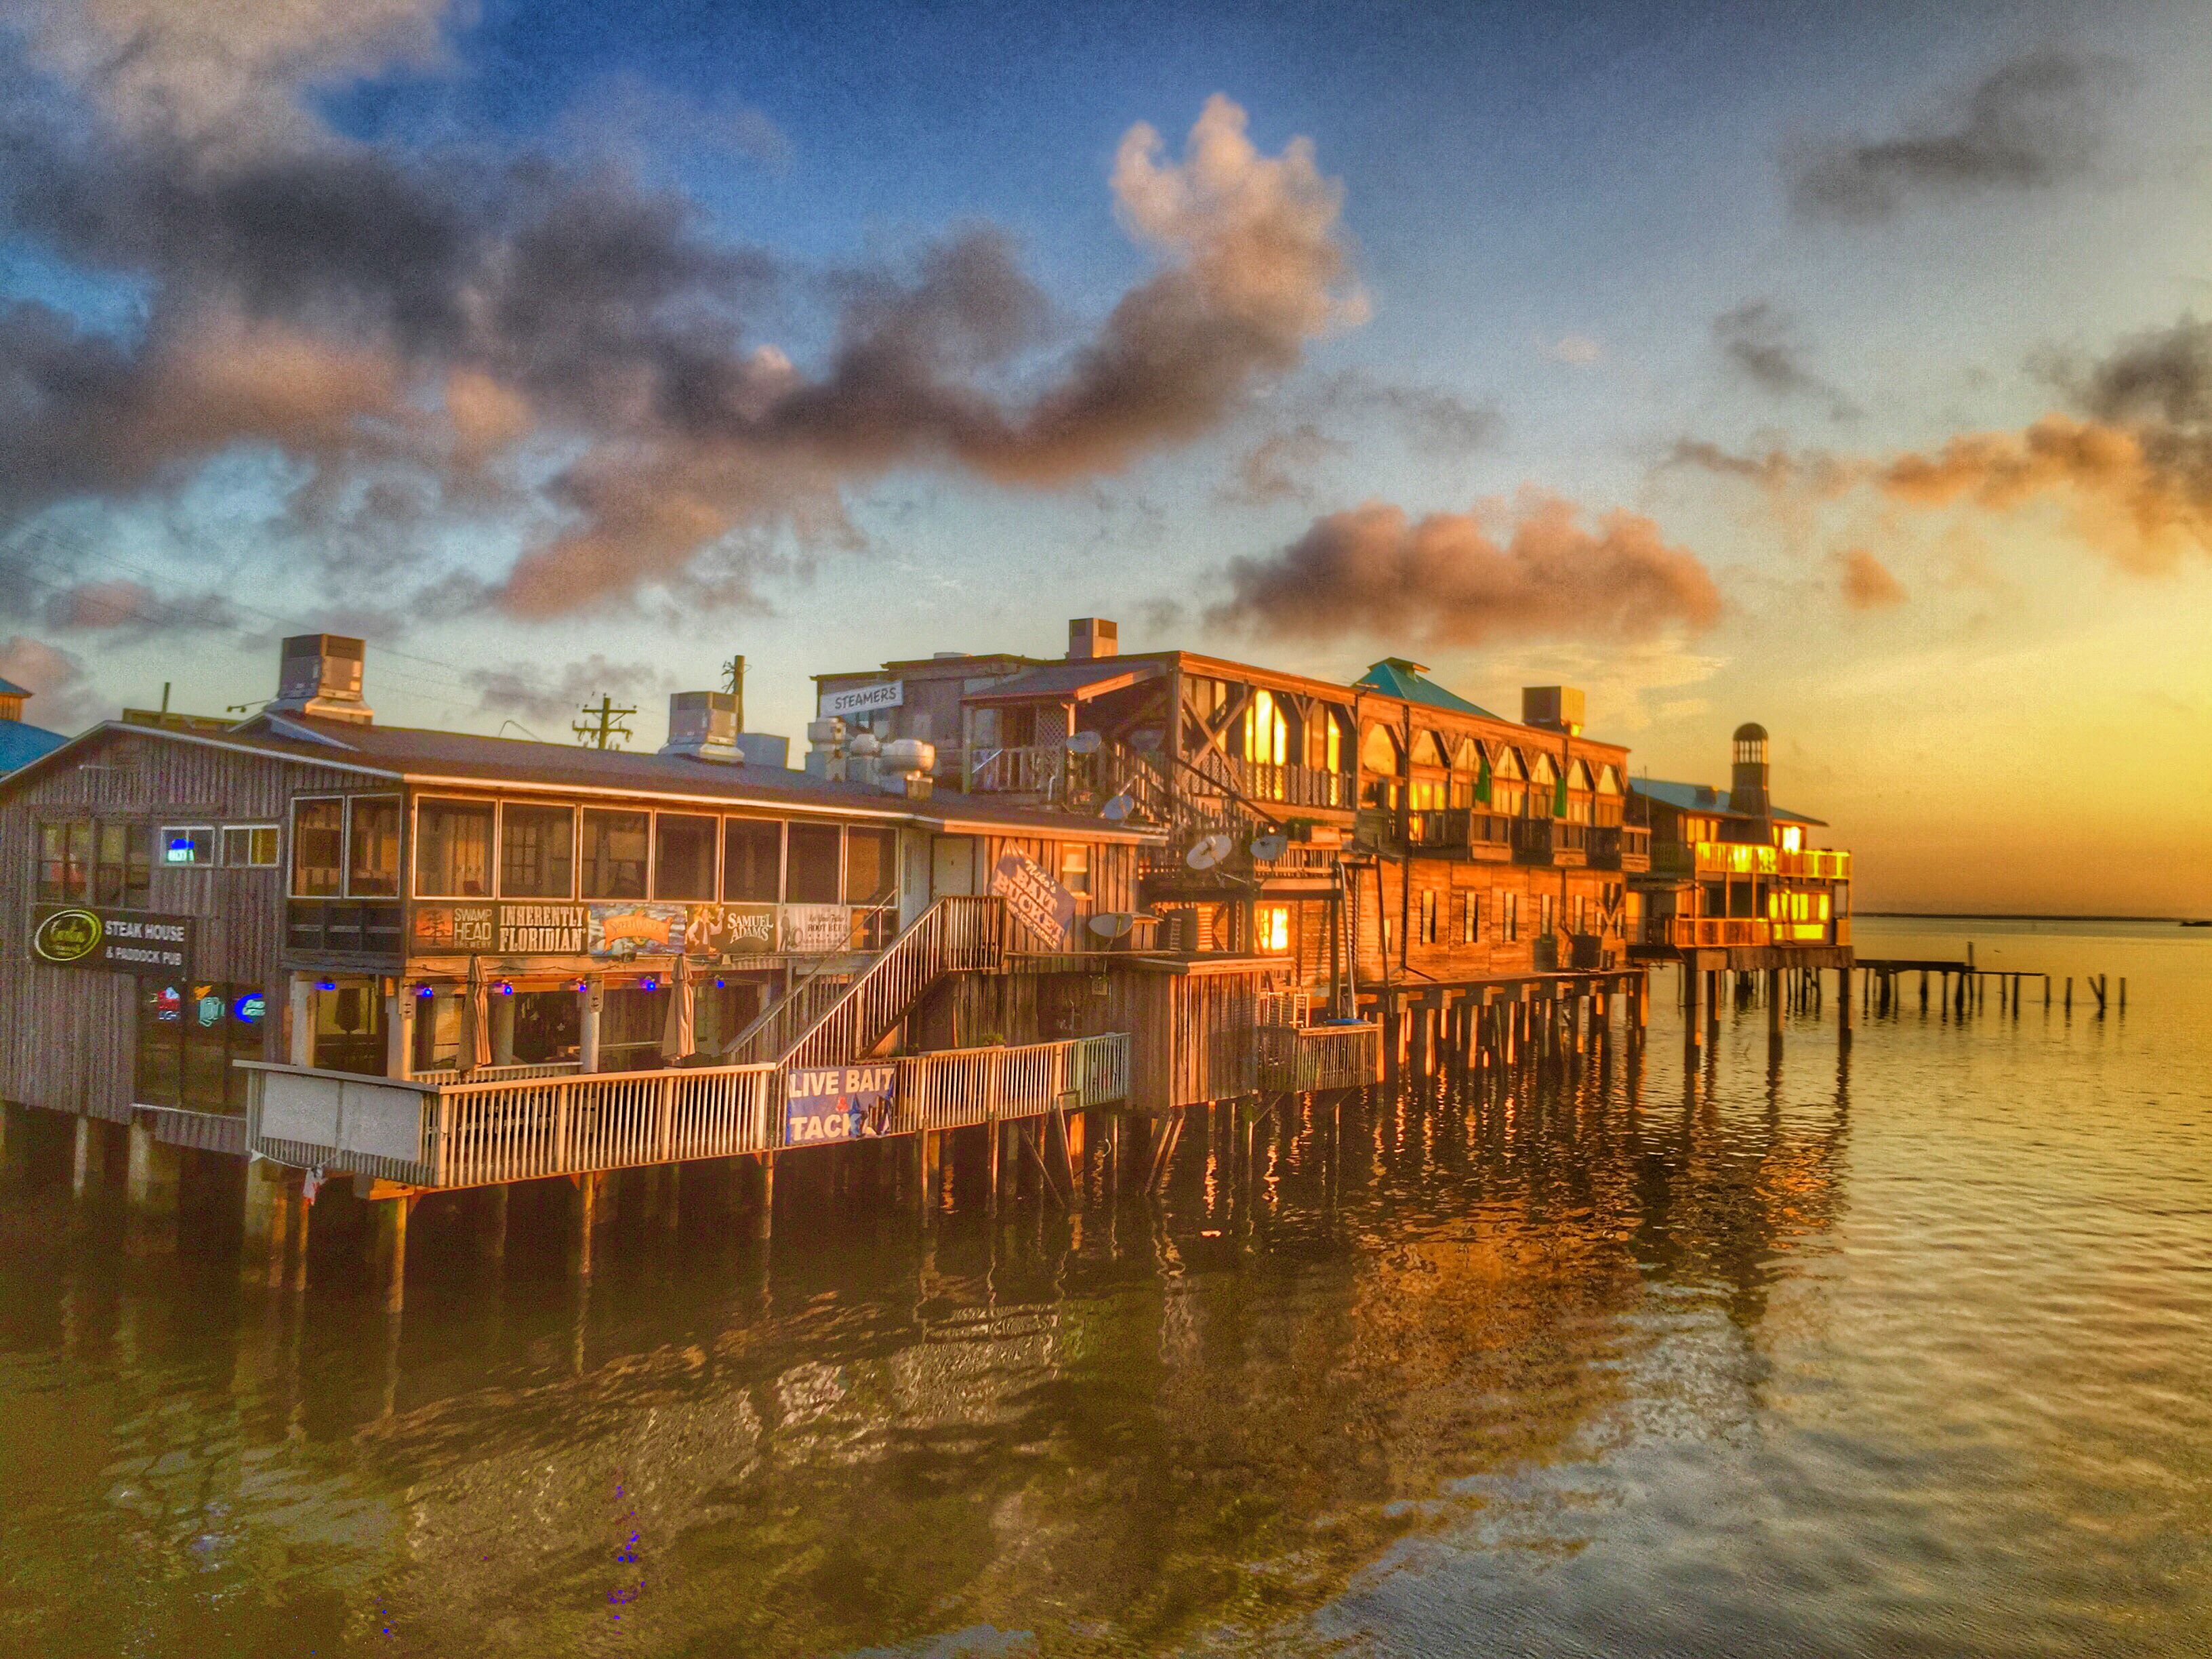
x=779, y=1010
x=879, y=997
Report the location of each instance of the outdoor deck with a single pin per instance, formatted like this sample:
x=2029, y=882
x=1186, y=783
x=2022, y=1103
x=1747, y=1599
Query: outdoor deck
x=434, y=1134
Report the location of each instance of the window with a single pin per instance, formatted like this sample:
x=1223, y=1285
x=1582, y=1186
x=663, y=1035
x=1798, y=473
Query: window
x=615, y=848
x=1793, y=839
x=684, y=856
x=752, y=861
x=1075, y=868
x=1273, y=925
x=452, y=849
x=64, y=863
x=374, y=844
x=870, y=867
x=249, y=846
x=1267, y=735
x=318, y=848
x=1428, y=916
x=185, y=844
x=1378, y=751
x=537, y=851
x=1470, y=919
x=1548, y=914
x=1389, y=935
x=812, y=864
x=1509, y=916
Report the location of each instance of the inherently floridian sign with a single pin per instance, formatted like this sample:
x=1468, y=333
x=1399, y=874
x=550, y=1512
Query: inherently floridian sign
x=112, y=941
x=1038, y=902
x=837, y=1102
x=541, y=930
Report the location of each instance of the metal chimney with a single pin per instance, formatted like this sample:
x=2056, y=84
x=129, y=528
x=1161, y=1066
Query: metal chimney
x=320, y=674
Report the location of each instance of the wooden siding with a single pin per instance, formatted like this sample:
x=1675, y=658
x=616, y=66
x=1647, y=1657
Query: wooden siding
x=68, y=1039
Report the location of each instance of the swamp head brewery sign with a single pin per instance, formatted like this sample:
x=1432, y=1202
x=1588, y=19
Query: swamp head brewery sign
x=112, y=941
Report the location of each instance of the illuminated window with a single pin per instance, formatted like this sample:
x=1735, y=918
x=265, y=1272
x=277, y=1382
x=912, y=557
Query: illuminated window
x=187, y=844
x=1274, y=928
x=1267, y=735
x=1075, y=867
x=1470, y=918
x=1428, y=916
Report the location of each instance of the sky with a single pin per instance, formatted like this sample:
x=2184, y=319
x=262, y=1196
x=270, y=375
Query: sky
x=1837, y=367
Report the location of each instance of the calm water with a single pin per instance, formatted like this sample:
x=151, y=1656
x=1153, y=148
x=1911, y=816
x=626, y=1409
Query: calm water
x=1912, y=1355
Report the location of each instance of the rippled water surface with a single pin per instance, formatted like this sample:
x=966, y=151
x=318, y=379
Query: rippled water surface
x=1902, y=1353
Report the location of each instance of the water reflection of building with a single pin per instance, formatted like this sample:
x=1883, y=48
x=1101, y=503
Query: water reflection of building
x=1193, y=1433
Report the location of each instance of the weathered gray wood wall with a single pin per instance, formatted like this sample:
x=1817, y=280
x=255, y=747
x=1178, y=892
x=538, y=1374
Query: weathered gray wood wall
x=68, y=1039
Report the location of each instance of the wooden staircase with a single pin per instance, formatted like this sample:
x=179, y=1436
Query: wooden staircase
x=953, y=936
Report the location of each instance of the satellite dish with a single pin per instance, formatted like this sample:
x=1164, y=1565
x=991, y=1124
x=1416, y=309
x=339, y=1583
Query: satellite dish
x=1083, y=743
x=1117, y=807
x=1207, y=851
x=1266, y=849
x=1112, y=924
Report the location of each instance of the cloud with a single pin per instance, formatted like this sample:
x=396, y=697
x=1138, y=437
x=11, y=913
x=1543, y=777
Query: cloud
x=567, y=346
x=133, y=611
x=1428, y=418
x=62, y=698
x=1759, y=343
x=552, y=697
x=1280, y=467
x=2131, y=461
x=225, y=76
x=1866, y=581
x=2037, y=120
x=1448, y=580
x=1576, y=351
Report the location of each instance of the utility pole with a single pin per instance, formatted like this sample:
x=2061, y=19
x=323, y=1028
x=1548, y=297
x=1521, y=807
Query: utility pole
x=733, y=677
x=601, y=725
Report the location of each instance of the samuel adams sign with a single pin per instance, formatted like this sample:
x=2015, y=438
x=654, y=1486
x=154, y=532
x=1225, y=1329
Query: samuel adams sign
x=112, y=941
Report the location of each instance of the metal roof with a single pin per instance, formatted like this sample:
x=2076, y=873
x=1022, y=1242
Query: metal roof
x=1075, y=681
x=21, y=744
x=1396, y=677
x=1704, y=797
x=9, y=689
x=465, y=759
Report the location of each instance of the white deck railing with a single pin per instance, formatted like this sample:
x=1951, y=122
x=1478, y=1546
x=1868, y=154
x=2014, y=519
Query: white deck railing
x=424, y=1134
x=1309, y=1059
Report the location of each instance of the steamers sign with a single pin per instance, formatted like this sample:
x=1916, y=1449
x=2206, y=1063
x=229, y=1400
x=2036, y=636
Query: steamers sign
x=111, y=941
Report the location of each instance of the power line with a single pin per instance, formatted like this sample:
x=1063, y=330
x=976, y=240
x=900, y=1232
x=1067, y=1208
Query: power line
x=602, y=724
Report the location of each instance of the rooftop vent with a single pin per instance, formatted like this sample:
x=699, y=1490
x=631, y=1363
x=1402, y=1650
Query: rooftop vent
x=1089, y=638
x=1554, y=707
x=704, y=725
x=320, y=674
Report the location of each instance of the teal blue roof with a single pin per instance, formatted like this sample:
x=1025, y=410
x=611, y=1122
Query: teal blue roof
x=1704, y=797
x=9, y=689
x=21, y=744
x=1394, y=676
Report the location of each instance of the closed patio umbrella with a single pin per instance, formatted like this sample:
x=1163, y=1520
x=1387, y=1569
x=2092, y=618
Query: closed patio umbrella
x=477, y=1039
x=678, y=1036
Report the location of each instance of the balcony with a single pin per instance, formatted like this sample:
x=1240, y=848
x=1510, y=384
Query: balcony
x=1282, y=785
x=1457, y=829
x=1707, y=933
x=1625, y=847
x=1734, y=858
x=1309, y=1059
x=1054, y=775
x=1551, y=841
